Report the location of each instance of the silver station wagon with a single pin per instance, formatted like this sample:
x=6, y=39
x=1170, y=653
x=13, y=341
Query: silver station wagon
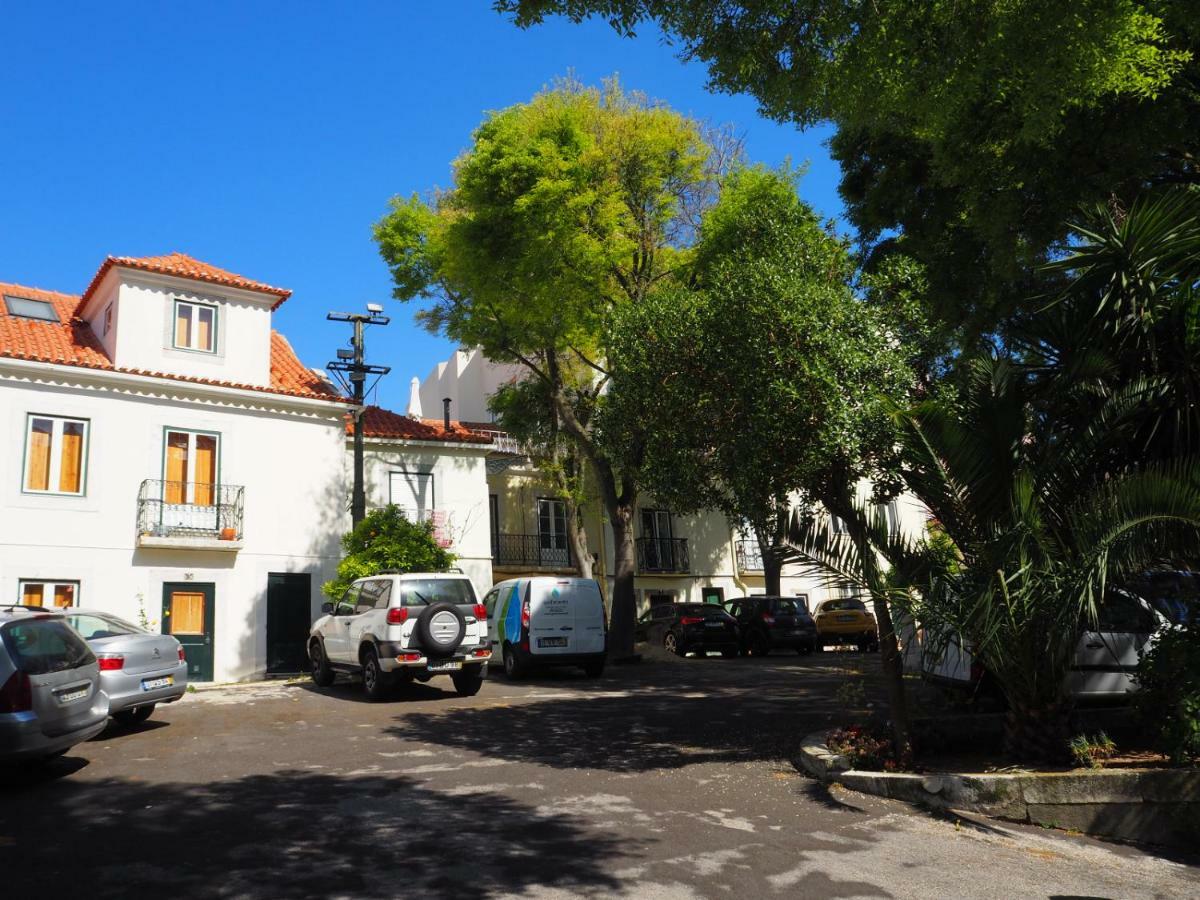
x=50, y=697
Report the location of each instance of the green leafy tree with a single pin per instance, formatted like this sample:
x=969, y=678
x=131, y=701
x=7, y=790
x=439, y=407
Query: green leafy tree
x=763, y=375
x=564, y=210
x=524, y=410
x=967, y=133
x=385, y=539
x=1039, y=525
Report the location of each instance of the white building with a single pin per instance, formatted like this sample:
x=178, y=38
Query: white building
x=679, y=558
x=167, y=457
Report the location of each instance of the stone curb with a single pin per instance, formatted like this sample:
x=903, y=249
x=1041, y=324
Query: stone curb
x=1149, y=805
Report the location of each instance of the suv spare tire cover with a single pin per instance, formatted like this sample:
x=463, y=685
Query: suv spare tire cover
x=441, y=628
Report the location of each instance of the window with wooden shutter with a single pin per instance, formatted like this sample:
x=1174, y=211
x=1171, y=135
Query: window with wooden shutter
x=55, y=455
x=42, y=592
x=195, y=326
x=191, y=468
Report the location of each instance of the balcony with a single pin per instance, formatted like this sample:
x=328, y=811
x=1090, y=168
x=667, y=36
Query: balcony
x=749, y=556
x=526, y=551
x=663, y=555
x=195, y=515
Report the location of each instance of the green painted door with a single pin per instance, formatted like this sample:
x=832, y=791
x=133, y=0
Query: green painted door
x=188, y=611
x=289, y=617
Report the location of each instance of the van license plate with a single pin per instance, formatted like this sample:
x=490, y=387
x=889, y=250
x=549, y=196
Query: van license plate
x=151, y=684
x=552, y=642
x=72, y=696
x=450, y=665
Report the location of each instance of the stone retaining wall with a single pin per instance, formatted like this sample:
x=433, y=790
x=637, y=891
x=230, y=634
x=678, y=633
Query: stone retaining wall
x=1160, y=806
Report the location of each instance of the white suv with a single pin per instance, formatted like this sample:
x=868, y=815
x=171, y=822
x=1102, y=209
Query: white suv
x=396, y=627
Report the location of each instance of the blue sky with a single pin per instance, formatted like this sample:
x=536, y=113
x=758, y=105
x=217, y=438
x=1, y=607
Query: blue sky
x=267, y=137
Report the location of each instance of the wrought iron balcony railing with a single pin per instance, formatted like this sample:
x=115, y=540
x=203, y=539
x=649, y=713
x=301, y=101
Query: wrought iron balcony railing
x=749, y=556
x=663, y=555
x=190, y=509
x=538, y=550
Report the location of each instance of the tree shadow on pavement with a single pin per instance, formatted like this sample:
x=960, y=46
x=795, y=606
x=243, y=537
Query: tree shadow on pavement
x=290, y=835
x=659, y=728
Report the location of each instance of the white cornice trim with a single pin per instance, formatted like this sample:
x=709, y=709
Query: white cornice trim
x=109, y=381
x=481, y=449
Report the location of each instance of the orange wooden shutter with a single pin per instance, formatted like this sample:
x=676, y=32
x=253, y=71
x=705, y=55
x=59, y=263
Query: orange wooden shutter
x=38, y=465
x=177, y=465
x=206, y=469
x=183, y=326
x=204, y=329
x=187, y=613
x=70, y=478
x=31, y=594
x=64, y=595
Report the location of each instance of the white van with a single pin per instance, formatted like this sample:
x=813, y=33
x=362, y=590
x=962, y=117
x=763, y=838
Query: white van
x=547, y=621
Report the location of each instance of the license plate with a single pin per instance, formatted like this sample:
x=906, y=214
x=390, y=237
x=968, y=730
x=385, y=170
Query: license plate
x=845, y=618
x=714, y=624
x=72, y=696
x=552, y=642
x=450, y=665
x=152, y=683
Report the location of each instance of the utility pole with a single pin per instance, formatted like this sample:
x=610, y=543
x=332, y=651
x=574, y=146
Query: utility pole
x=352, y=370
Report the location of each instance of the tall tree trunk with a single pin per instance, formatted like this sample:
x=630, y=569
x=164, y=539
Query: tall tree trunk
x=770, y=545
x=624, y=597
x=893, y=677
x=1038, y=732
x=577, y=535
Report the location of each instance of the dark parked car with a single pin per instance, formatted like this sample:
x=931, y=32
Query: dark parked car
x=684, y=628
x=765, y=623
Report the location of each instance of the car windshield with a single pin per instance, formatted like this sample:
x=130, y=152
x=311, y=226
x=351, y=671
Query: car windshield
x=427, y=591
x=93, y=627
x=43, y=645
x=845, y=603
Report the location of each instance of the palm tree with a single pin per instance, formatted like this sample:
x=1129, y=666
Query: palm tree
x=1036, y=527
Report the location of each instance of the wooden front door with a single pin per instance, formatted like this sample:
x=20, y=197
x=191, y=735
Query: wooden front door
x=188, y=613
x=289, y=616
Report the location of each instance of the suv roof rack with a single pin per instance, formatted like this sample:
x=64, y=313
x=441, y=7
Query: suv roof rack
x=389, y=572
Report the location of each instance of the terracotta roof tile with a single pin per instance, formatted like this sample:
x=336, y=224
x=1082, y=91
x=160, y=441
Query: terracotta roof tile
x=383, y=423
x=181, y=266
x=72, y=342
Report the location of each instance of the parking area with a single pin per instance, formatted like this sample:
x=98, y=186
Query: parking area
x=667, y=779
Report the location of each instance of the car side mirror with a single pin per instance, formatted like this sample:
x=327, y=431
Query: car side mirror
x=326, y=608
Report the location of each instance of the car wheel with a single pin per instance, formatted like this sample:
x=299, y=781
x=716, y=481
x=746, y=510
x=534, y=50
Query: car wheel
x=730, y=654
x=468, y=683
x=671, y=644
x=594, y=669
x=134, y=716
x=512, y=666
x=375, y=680
x=319, y=668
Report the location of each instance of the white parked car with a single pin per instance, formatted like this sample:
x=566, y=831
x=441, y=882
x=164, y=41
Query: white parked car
x=548, y=621
x=1107, y=656
x=395, y=628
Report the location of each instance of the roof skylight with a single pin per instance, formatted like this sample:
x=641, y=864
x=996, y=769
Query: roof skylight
x=31, y=309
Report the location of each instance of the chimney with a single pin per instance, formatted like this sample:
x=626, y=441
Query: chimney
x=414, y=399
x=446, y=412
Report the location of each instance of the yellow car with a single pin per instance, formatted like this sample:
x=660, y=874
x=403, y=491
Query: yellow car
x=845, y=621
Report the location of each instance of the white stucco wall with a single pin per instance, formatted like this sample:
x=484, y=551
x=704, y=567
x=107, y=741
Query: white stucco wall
x=288, y=454
x=144, y=336
x=459, y=489
x=468, y=379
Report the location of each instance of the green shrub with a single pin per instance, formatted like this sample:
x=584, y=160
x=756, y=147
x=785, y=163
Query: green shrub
x=1169, y=697
x=385, y=539
x=1090, y=752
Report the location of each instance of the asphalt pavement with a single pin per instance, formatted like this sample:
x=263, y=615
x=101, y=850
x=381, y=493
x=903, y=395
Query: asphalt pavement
x=669, y=779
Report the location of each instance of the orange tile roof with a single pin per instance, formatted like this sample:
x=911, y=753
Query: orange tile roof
x=71, y=342
x=180, y=265
x=383, y=423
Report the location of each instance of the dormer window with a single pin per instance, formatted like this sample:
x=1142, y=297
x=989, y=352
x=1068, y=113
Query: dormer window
x=31, y=309
x=195, y=326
